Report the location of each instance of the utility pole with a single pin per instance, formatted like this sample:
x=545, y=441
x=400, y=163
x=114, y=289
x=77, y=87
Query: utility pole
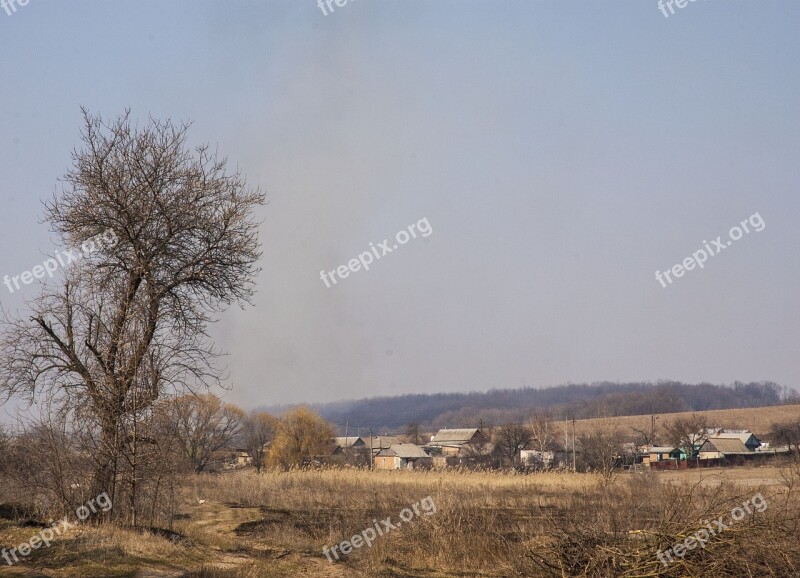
x=574, y=468
x=347, y=451
x=653, y=419
x=370, y=449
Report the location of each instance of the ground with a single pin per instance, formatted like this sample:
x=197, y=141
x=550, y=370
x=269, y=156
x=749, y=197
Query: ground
x=245, y=525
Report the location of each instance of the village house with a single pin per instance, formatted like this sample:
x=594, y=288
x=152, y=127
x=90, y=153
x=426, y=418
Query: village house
x=355, y=450
x=631, y=456
x=345, y=443
x=718, y=448
x=379, y=443
x=537, y=459
x=240, y=458
x=664, y=453
x=457, y=442
x=403, y=456
x=229, y=459
x=462, y=447
x=348, y=450
x=745, y=436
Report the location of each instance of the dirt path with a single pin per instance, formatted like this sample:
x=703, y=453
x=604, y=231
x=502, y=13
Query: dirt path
x=216, y=524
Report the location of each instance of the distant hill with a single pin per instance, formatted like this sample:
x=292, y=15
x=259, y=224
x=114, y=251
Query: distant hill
x=496, y=406
x=759, y=420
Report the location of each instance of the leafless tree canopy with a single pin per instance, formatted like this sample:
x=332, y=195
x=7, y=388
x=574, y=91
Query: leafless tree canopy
x=202, y=425
x=414, y=434
x=688, y=433
x=511, y=438
x=787, y=433
x=543, y=432
x=602, y=448
x=258, y=431
x=129, y=319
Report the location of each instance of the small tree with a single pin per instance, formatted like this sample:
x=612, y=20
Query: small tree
x=413, y=434
x=510, y=439
x=258, y=431
x=688, y=433
x=543, y=433
x=602, y=450
x=301, y=435
x=787, y=433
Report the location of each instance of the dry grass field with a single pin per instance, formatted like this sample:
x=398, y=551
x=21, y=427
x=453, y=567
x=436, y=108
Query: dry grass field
x=490, y=524
x=758, y=420
x=487, y=524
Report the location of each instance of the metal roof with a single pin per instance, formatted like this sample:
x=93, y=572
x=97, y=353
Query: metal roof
x=381, y=442
x=347, y=442
x=454, y=436
x=741, y=436
x=725, y=446
x=404, y=451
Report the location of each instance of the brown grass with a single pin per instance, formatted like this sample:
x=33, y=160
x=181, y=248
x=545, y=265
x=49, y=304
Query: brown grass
x=758, y=420
x=486, y=524
x=494, y=524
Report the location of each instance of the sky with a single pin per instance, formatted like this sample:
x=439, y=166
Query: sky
x=561, y=152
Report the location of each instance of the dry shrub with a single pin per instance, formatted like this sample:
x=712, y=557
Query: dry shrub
x=623, y=535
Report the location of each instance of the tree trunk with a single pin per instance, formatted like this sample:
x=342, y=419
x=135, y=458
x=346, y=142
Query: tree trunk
x=105, y=478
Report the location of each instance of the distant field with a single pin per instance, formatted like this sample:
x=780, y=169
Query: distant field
x=759, y=420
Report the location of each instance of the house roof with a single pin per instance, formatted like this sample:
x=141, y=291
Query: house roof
x=328, y=450
x=744, y=437
x=662, y=449
x=454, y=436
x=404, y=451
x=348, y=442
x=381, y=442
x=725, y=446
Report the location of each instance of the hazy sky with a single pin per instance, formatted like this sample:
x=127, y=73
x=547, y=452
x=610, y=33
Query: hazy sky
x=562, y=152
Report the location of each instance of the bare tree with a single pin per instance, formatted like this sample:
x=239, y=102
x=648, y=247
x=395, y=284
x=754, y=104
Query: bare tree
x=168, y=241
x=413, y=434
x=46, y=459
x=258, y=431
x=787, y=433
x=688, y=433
x=510, y=439
x=543, y=434
x=647, y=438
x=203, y=425
x=601, y=450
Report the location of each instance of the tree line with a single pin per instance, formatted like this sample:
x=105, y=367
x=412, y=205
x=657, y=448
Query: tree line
x=603, y=399
x=49, y=460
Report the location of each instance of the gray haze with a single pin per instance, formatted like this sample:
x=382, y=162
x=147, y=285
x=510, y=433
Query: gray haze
x=562, y=152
